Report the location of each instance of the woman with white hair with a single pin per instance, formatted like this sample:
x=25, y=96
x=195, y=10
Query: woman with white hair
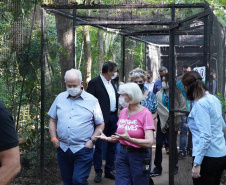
x=135, y=135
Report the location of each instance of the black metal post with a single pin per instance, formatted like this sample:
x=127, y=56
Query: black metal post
x=145, y=58
x=171, y=107
x=171, y=101
x=43, y=28
x=206, y=54
x=123, y=57
x=74, y=38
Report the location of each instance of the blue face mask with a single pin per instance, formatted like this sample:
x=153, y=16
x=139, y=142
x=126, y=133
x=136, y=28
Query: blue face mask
x=165, y=85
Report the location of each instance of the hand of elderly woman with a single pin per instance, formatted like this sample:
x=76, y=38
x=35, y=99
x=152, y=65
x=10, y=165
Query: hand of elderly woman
x=105, y=138
x=196, y=171
x=124, y=136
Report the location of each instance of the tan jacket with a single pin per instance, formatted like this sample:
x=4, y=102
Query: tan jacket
x=163, y=112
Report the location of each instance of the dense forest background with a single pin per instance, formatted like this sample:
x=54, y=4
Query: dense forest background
x=20, y=67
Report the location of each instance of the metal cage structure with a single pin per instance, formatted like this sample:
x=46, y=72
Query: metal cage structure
x=178, y=33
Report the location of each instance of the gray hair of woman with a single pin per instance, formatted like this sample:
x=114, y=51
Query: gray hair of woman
x=137, y=73
x=133, y=91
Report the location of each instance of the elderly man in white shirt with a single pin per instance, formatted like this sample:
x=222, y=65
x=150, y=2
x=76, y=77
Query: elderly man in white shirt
x=150, y=82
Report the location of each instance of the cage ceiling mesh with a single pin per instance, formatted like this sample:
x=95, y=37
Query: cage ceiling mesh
x=125, y=17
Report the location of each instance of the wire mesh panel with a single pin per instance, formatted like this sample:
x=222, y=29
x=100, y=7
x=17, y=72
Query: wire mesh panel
x=217, y=58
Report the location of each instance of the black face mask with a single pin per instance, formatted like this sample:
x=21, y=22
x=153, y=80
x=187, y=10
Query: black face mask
x=149, y=78
x=116, y=79
x=141, y=86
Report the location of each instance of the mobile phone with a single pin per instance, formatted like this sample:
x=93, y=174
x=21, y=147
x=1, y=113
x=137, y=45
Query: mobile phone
x=146, y=164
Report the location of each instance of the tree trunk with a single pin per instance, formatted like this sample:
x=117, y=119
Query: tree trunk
x=65, y=38
x=87, y=57
x=100, y=50
x=129, y=57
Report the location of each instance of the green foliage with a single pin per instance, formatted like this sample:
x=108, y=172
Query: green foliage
x=222, y=100
x=5, y=24
x=139, y=56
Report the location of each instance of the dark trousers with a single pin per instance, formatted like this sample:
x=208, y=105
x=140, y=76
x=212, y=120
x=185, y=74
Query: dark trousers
x=129, y=168
x=110, y=129
x=189, y=145
x=211, y=171
x=75, y=168
x=160, y=138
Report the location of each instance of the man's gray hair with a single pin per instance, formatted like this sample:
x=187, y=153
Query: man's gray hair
x=133, y=91
x=163, y=68
x=74, y=72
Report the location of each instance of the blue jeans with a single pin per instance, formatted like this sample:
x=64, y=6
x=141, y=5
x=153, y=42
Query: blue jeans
x=110, y=129
x=183, y=133
x=75, y=168
x=129, y=168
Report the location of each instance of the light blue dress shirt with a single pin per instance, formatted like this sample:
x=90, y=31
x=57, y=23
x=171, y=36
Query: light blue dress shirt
x=75, y=119
x=206, y=124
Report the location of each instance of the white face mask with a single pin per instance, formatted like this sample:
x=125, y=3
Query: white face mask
x=122, y=102
x=74, y=91
x=115, y=75
x=165, y=86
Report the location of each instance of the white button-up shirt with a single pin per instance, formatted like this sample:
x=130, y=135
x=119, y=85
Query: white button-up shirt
x=111, y=93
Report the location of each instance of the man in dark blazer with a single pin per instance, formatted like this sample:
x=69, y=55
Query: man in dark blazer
x=103, y=88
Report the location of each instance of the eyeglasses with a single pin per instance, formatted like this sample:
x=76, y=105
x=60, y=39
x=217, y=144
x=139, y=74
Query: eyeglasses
x=139, y=72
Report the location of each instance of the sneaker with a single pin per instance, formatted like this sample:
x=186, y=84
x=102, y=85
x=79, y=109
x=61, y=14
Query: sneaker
x=181, y=155
x=110, y=175
x=98, y=177
x=156, y=172
x=189, y=152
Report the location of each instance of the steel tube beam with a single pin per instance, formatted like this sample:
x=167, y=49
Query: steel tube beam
x=43, y=58
x=123, y=45
x=74, y=38
x=124, y=23
x=124, y=6
x=172, y=142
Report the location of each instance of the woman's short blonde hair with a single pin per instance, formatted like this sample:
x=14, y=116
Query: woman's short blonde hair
x=133, y=91
x=137, y=73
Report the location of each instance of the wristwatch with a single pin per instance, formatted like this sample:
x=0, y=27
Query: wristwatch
x=195, y=165
x=93, y=141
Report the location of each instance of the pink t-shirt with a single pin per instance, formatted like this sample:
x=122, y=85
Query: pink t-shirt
x=135, y=125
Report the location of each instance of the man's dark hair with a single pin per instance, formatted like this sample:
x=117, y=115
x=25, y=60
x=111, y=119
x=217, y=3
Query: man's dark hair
x=185, y=66
x=149, y=72
x=108, y=65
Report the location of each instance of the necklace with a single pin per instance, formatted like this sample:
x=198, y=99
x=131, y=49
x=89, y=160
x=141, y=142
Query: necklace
x=128, y=114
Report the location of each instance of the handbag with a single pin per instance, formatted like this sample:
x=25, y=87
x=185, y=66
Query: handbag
x=165, y=129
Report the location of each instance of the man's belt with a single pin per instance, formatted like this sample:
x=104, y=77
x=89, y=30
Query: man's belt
x=113, y=112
